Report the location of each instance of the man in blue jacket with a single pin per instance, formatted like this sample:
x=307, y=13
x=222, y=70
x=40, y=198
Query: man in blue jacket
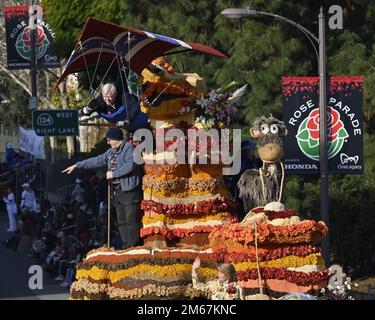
x=126, y=179
x=125, y=114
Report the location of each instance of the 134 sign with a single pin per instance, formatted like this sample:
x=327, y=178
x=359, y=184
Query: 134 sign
x=55, y=122
x=344, y=124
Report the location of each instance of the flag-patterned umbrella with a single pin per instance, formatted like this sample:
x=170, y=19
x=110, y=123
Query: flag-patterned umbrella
x=102, y=42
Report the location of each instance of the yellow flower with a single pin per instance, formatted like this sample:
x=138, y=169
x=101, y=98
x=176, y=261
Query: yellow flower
x=172, y=221
x=161, y=271
x=286, y=262
x=184, y=193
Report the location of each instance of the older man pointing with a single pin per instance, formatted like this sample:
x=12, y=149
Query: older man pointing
x=126, y=179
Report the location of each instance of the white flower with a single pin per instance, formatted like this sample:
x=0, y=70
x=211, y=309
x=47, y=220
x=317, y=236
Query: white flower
x=202, y=102
x=213, y=95
x=323, y=290
x=349, y=287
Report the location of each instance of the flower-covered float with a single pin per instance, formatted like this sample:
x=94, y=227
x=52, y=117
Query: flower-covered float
x=274, y=252
x=182, y=203
x=188, y=213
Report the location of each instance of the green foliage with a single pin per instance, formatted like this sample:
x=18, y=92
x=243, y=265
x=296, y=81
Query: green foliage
x=16, y=111
x=67, y=18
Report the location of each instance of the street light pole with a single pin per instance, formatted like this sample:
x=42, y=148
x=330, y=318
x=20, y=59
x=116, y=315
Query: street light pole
x=33, y=65
x=323, y=156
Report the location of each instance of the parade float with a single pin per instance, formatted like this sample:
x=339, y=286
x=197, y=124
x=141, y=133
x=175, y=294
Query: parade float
x=187, y=211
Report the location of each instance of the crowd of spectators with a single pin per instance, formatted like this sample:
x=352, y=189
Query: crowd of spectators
x=58, y=237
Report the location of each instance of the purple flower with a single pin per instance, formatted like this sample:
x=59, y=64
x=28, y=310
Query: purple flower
x=220, y=115
x=231, y=108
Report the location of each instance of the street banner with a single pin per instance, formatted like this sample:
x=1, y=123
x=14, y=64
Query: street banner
x=31, y=143
x=344, y=124
x=18, y=39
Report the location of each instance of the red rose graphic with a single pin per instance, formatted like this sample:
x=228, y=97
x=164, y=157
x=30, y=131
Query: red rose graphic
x=26, y=39
x=40, y=37
x=333, y=124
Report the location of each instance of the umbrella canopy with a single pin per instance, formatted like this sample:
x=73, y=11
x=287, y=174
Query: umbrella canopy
x=101, y=42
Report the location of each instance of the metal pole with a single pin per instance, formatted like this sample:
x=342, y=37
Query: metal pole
x=109, y=216
x=33, y=26
x=323, y=157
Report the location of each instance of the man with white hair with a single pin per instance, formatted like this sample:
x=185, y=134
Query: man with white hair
x=109, y=106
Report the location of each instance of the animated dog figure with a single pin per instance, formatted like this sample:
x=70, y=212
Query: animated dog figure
x=257, y=188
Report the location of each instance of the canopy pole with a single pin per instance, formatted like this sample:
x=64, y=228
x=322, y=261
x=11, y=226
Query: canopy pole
x=84, y=59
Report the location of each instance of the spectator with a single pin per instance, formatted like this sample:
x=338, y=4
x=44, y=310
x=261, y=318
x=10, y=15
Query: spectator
x=9, y=156
x=66, y=255
x=28, y=201
x=78, y=192
x=27, y=233
x=82, y=225
x=12, y=210
x=68, y=225
x=70, y=271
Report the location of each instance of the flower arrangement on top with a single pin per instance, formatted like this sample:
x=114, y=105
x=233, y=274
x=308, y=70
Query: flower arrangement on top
x=218, y=107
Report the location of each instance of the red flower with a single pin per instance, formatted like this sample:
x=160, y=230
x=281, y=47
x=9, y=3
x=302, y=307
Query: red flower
x=231, y=289
x=334, y=124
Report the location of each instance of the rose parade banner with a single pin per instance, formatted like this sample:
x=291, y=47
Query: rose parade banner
x=18, y=39
x=344, y=123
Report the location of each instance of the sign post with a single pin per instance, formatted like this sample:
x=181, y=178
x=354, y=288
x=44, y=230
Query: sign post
x=55, y=122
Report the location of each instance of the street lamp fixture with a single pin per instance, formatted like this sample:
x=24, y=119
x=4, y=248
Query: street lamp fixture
x=234, y=13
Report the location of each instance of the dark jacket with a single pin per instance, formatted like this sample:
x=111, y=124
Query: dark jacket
x=130, y=174
x=120, y=112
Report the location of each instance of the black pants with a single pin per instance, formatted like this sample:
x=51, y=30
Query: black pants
x=128, y=208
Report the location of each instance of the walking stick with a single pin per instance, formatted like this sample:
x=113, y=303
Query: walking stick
x=109, y=217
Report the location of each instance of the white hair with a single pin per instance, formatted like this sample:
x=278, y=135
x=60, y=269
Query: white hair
x=109, y=87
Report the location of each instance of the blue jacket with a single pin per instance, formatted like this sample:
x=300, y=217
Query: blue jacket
x=139, y=121
x=130, y=174
x=120, y=112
